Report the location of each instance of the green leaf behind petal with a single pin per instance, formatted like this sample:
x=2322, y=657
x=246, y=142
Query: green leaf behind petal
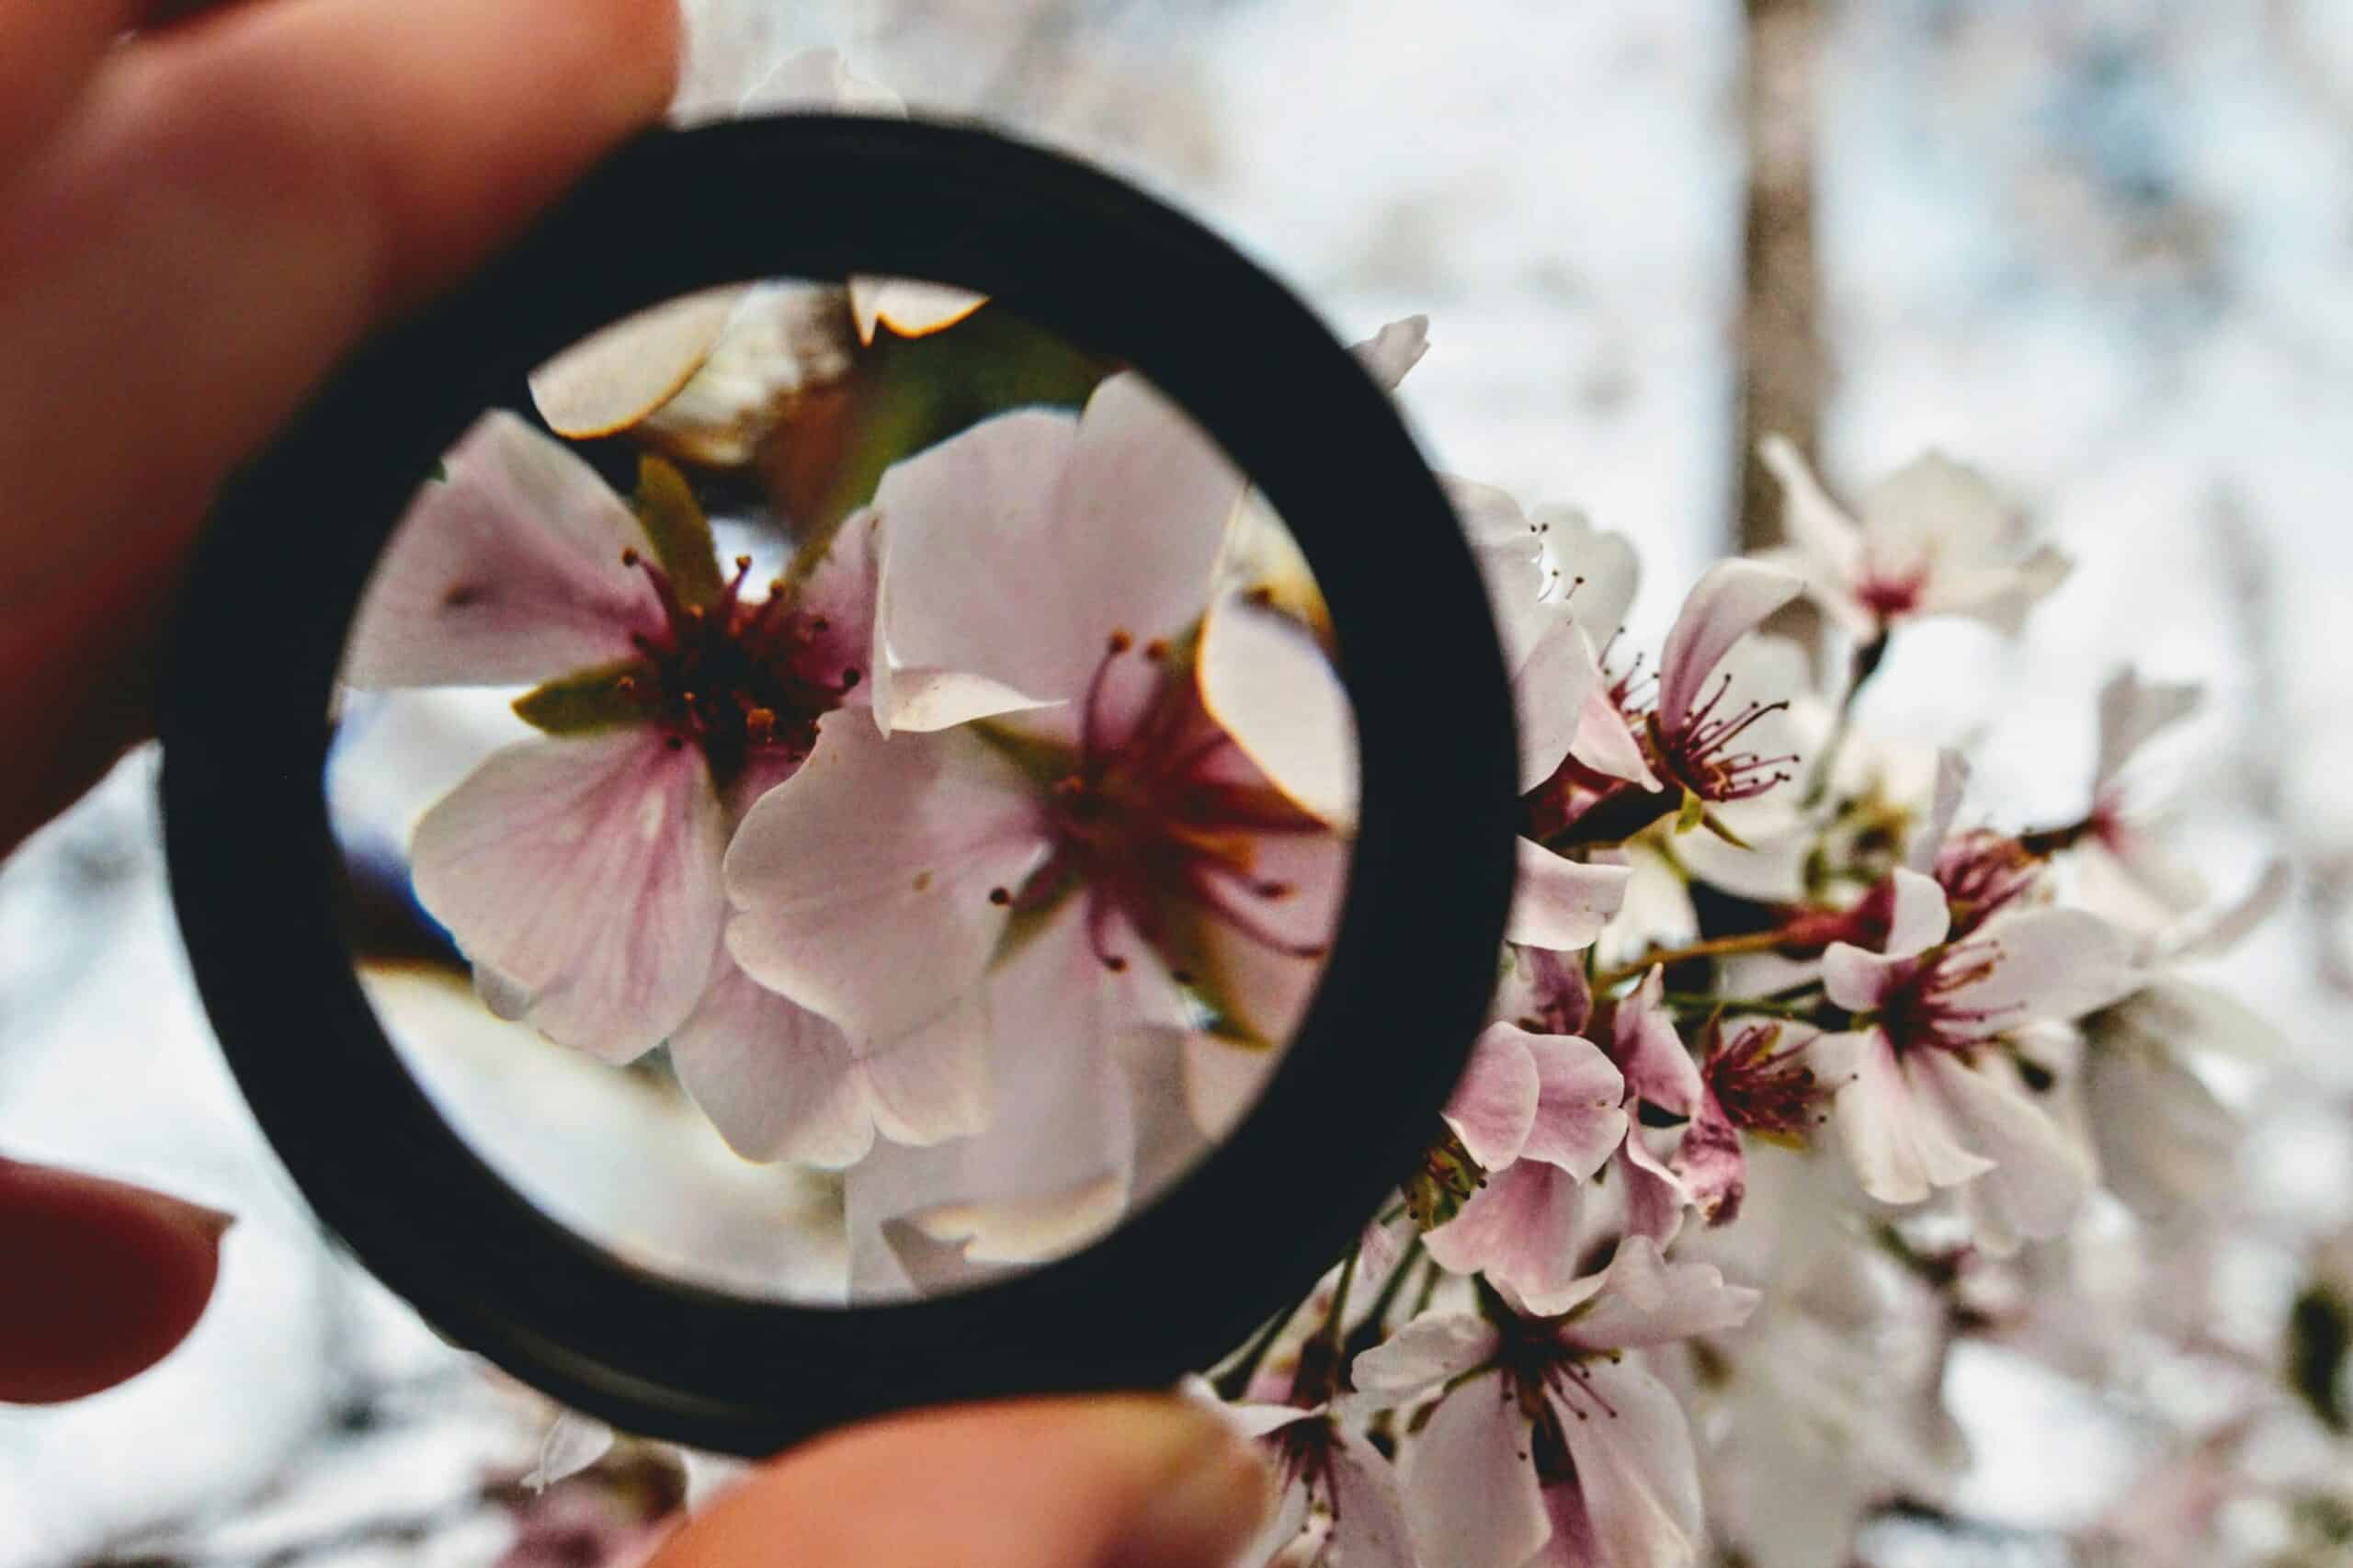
x=674, y=521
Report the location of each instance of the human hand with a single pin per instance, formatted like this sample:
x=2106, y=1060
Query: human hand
x=196, y=221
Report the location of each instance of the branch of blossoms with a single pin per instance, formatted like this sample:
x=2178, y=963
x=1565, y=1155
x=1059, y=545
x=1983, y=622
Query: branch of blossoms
x=986, y=851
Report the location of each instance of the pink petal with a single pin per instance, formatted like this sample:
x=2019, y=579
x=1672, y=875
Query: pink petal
x=2051, y=964
x=1897, y=1139
x=1393, y=350
x=1646, y=1301
x=1573, y=1544
x=507, y=573
x=776, y=1079
x=2041, y=1174
x=1426, y=1354
x=1264, y=677
x=1646, y=1048
x=862, y=885
x=1729, y=602
x=1264, y=988
x=585, y=872
x=1710, y=1164
x=611, y=380
x=842, y=590
x=1495, y=1105
x=1559, y=903
x=1654, y=1196
x=930, y=1084
x=1368, y=1529
x=1467, y=1480
x=1544, y=992
x=1579, y=1120
x=1523, y=1229
x=1635, y=1465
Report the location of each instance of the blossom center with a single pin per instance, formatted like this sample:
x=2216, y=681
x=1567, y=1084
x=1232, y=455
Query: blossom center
x=1921, y=1010
x=744, y=681
x=1153, y=818
x=1703, y=753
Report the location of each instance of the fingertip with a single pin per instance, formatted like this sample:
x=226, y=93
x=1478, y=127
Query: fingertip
x=103, y=1279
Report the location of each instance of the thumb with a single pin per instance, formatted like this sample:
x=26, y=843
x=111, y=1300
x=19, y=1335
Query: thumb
x=1131, y=1482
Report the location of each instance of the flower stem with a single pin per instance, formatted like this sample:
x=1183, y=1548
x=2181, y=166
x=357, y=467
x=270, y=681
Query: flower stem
x=1714, y=947
x=1320, y=1366
x=1370, y=1331
x=1762, y=1007
x=1234, y=1382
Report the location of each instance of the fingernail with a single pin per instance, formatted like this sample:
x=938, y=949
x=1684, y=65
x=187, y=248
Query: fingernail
x=1218, y=1494
x=202, y=1219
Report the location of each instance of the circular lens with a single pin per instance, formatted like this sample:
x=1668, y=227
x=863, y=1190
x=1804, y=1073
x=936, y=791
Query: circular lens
x=844, y=793
x=838, y=815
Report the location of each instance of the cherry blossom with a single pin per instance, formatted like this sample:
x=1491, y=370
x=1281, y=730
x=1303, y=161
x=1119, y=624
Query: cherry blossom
x=1935, y=1099
x=1043, y=846
x=1697, y=745
x=1548, y=1446
x=1331, y=1477
x=579, y=870
x=1930, y=538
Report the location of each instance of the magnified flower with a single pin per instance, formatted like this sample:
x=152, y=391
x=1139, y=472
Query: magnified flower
x=710, y=373
x=1930, y=538
x=1934, y=1099
x=1043, y=841
x=579, y=870
x=1548, y=1445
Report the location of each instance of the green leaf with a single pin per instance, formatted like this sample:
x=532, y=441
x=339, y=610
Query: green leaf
x=601, y=699
x=680, y=533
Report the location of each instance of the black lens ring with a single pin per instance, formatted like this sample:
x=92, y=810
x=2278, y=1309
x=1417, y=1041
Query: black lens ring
x=249, y=674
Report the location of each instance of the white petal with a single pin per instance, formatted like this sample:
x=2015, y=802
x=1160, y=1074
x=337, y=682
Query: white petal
x=572, y=1444
x=2131, y=712
x=1728, y=603
x=2050, y=964
x=966, y=532
x=776, y=1079
x=1552, y=692
x=1264, y=677
x=2041, y=1175
x=1636, y=1470
x=1050, y=1169
x=862, y=884
x=585, y=872
x=1580, y=1117
x=1920, y=918
x=1936, y=512
x=1560, y=904
x=1998, y=596
x=1952, y=782
x=1424, y=1355
x=1606, y=742
x=1857, y=980
x=1470, y=1485
x=1648, y=1301
x=1368, y=1529
x=1223, y=1081
x=1393, y=350
x=1495, y=1105
x=1831, y=540
x=1896, y=1138
x=1265, y=989
x=783, y=340
x=931, y=1082
x=611, y=380
x=507, y=571
x=1598, y=570
x=908, y=306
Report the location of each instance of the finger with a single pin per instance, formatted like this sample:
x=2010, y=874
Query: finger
x=229, y=207
x=48, y=51
x=99, y=1280
x=1124, y=1483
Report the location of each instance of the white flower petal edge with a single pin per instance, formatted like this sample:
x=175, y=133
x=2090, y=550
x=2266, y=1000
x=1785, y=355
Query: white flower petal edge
x=776, y=1079
x=1727, y=604
x=1265, y=677
x=1495, y=1105
x=585, y=871
x=619, y=375
x=1559, y=903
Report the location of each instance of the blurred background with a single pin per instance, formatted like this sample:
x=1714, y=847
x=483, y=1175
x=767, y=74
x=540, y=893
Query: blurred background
x=2101, y=248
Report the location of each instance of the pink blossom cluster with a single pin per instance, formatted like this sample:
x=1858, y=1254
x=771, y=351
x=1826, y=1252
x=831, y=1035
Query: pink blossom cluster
x=987, y=853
